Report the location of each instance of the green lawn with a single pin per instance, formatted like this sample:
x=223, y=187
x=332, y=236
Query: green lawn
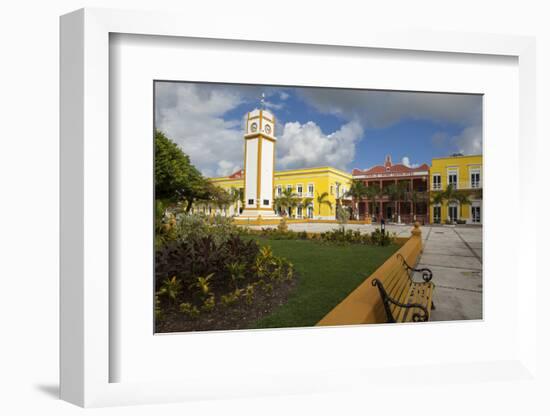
x=327, y=274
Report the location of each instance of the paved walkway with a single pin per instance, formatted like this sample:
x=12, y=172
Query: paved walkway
x=454, y=254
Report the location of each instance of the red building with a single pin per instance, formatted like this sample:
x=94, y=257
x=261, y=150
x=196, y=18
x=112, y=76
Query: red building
x=395, y=192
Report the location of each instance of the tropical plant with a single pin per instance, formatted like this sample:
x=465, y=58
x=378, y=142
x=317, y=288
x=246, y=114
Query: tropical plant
x=203, y=285
x=232, y=297
x=282, y=227
x=190, y=310
x=377, y=192
x=451, y=194
x=221, y=198
x=322, y=199
x=170, y=288
x=304, y=203
x=288, y=199
x=356, y=191
x=396, y=192
x=237, y=195
x=249, y=294
x=416, y=197
x=237, y=272
x=209, y=303
x=342, y=215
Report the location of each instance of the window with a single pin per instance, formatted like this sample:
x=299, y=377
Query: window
x=437, y=214
x=332, y=189
x=266, y=201
x=310, y=211
x=310, y=189
x=250, y=202
x=436, y=182
x=475, y=179
x=289, y=188
x=476, y=214
x=452, y=178
x=279, y=190
x=299, y=212
x=453, y=213
x=299, y=189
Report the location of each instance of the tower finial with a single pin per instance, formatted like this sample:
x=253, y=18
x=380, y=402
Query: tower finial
x=262, y=101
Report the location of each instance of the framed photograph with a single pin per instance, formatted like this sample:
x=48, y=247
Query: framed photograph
x=274, y=214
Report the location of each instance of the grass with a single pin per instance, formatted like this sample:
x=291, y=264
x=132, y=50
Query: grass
x=327, y=274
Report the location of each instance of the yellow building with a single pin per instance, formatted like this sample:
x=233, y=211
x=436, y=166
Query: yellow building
x=308, y=184
x=465, y=175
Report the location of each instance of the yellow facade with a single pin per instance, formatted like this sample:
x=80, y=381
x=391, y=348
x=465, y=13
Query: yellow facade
x=305, y=183
x=465, y=173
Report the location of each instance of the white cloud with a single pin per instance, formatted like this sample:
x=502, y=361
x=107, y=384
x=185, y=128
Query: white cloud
x=469, y=141
x=305, y=145
x=283, y=95
x=192, y=116
x=407, y=162
x=227, y=167
x=273, y=106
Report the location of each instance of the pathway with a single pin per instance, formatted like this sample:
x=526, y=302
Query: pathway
x=454, y=254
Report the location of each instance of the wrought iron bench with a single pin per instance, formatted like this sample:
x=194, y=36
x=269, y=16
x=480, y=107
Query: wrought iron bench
x=404, y=299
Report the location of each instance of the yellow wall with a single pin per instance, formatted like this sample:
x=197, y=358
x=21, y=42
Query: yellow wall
x=322, y=179
x=463, y=165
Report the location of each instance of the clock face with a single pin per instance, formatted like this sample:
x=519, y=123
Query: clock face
x=253, y=127
x=268, y=129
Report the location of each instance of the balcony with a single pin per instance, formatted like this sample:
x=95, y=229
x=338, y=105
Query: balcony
x=459, y=185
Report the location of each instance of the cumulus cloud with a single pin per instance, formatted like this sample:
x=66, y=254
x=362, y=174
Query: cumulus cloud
x=196, y=117
x=192, y=116
x=407, y=162
x=305, y=145
x=468, y=141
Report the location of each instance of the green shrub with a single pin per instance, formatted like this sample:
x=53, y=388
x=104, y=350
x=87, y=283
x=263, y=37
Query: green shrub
x=212, y=262
x=209, y=303
x=171, y=288
x=190, y=310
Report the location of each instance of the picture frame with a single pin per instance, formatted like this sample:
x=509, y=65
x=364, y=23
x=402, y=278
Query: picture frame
x=86, y=305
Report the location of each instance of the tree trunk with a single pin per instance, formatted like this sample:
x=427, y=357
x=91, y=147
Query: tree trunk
x=189, y=205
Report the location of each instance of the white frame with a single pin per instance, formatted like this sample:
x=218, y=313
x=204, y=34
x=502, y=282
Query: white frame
x=84, y=343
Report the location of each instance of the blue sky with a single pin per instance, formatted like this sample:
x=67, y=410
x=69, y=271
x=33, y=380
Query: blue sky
x=318, y=126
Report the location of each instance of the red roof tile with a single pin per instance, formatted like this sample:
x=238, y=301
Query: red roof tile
x=237, y=175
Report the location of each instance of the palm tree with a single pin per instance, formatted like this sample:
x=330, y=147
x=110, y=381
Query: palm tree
x=462, y=198
x=371, y=192
x=237, y=195
x=357, y=191
x=394, y=193
x=286, y=200
x=304, y=203
x=416, y=197
x=377, y=193
x=323, y=200
x=451, y=194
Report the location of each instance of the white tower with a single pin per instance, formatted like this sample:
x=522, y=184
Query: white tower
x=259, y=164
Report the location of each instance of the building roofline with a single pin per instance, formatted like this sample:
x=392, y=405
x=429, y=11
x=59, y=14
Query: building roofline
x=456, y=157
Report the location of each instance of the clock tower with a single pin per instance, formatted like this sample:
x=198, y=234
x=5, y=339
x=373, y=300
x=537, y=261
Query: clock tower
x=259, y=164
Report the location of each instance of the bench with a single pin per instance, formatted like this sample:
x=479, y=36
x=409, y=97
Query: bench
x=404, y=299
